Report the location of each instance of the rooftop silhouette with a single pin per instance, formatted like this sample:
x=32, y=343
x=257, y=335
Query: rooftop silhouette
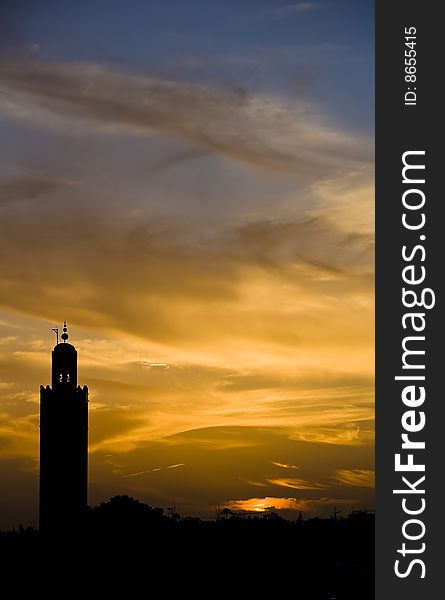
x=130, y=541
x=324, y=559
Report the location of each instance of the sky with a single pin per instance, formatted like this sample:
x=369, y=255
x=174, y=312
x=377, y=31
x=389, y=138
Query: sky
x=190, y=186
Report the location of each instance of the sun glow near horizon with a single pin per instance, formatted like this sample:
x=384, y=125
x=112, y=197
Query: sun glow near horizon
x=212, y=250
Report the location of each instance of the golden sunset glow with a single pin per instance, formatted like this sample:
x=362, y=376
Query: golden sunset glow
x=262, y=505
x=212, y=251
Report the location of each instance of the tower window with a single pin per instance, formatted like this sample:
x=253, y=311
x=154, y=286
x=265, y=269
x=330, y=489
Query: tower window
x=67, y=377
x=61, y=378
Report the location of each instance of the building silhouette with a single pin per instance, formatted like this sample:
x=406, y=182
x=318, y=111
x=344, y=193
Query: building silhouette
x=63, y=441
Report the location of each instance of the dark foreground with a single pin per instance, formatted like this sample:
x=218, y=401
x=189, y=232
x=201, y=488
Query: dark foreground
x=126, y=547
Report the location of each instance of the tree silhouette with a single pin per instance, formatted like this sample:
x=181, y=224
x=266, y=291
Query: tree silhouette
x=131, y=540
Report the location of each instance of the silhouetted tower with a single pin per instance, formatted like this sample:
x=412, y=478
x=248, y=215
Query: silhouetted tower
x=63, y=441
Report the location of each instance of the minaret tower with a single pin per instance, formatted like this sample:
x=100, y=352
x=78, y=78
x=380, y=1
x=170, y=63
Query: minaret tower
x=63, y=441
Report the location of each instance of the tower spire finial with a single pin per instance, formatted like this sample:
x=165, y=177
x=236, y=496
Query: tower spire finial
x=64, y=335
x=56, y=331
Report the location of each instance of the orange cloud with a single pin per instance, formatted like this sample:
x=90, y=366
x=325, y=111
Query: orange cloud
x=355, y=477
x=218, y=282
x=156, y=470
x=297, y=484
x=283, y=465
x=310, y=505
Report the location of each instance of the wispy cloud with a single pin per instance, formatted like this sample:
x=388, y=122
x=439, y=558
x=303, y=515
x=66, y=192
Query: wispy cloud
x=283, y=465
x=243, y=332
x=255, y=129
x=140, y=473
x=297, y=484
x=310, y=505
x=278, y=11
x=156, y=470
x=355, y=478
x=233, y=267
x=257, y=483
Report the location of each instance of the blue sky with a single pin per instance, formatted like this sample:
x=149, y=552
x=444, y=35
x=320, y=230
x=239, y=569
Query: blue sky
x=323, y=50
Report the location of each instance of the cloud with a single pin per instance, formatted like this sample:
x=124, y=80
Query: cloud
x=257, y=483
x=130, y=403
x=341, y=432
x=257, y=130
x=175, y=159
x=115, y=277
x=316, y=242
x=310, y=505
x=283, y=465
x=20, y=478
x=156, y=470
x=28, y=188
x=297, y=484
x=111, y=249
x=284, y=11
x=19, y=435
x=222, y=313
x=262, y=504
x=116, y=429
x=355, y=477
